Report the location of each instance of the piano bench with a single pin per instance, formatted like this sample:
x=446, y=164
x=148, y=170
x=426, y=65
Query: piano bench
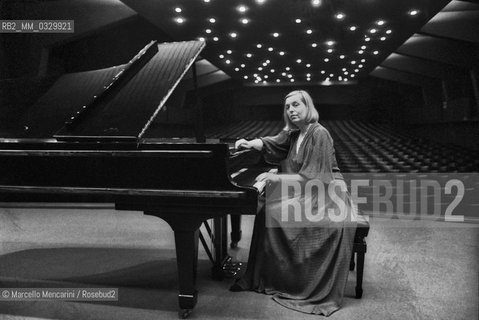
x=359, y=249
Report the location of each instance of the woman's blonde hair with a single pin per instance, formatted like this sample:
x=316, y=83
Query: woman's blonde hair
x=312, y=113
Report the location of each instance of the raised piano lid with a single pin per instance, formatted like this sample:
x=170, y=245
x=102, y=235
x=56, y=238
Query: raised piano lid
x=113, y=104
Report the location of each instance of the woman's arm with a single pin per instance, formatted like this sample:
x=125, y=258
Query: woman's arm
x=251, y=144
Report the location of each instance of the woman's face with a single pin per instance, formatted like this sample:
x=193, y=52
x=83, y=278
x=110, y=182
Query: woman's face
x=296, y=109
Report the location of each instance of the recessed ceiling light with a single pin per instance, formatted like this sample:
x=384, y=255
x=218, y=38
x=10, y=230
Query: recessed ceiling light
x=356, y=70
x=201, y=39
x=367, y=39
x=353, y=62
x=266, y=76
x=275, y=34
x=376, y=52
x=237, y=69
x=283, y=74
x=361, y=51
x=340, y=16
x=242, y=8
x=260, y=68
x=343, y=69
x=259, y=45
x=298, y=61
x=277, y=80
x=309, y=31
x=292, y=80
x=233, y=35
x=270, y=49
x=363, y=60
x=363, y=47
x=272, y=70
x=373, y=30
x=212, y=20
x=330, y=43
x=360, y=66
x=316, y=3
x=326, y=60
x=208, y=30
x=221, y=56
x=352, y=28
x=215, y=39
x=267, y=61
x=245, y=77
x=330, y=50
x=244, y=21
x=297, y=20
x=389, y=31
x=308, y=65
x=242, y=65
x=180, y=20
x=331, y=75
x=264, y=64
x=287, y=68
x=178, y=10
x=228, y=61
x=413, y=12
x=260, y=1
x=281, y=53
x=229, y=52
x=346, y=73
x=352, y=75
x=249, y=55
x=382, y=38
x=341, y=56
x=380, y=22
x=290, y=75
x=206, y=1
x=323, y=72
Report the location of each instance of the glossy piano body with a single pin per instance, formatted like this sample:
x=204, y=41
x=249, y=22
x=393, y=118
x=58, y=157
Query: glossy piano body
x=86, y=144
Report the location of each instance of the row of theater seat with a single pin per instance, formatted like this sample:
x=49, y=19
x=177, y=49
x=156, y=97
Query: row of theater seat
x=370, y=147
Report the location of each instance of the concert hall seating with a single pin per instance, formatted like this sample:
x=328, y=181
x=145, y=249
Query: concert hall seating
x=370, y=147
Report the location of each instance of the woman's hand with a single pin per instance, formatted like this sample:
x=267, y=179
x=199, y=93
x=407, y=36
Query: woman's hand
x=268, y=178
x=251, y=144
x=242, y=144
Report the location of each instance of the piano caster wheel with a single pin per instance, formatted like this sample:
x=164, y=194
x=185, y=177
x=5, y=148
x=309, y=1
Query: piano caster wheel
x=184, y=313
x=359, y=293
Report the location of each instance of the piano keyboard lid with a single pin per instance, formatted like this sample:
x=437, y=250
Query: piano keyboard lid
x=117, y=103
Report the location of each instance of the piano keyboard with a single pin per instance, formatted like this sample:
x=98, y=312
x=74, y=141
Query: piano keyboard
x=247, y=177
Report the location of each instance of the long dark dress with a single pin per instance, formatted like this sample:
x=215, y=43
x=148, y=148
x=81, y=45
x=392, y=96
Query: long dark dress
x=304, y=268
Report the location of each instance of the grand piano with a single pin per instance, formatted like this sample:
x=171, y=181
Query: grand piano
x=86, y=140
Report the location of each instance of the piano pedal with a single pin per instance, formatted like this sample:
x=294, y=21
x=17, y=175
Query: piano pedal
x=231, y=269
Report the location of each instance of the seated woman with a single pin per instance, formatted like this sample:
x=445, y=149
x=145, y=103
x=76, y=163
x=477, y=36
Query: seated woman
x=305, y=266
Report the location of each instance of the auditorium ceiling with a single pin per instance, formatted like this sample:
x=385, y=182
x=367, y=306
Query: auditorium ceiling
x=288, y=42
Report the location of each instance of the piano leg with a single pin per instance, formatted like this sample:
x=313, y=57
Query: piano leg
x=235, y=230
x=186, y=229
x=219, y=243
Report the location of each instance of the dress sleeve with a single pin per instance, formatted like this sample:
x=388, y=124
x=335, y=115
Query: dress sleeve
x=276, y=148
x=319, y=159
